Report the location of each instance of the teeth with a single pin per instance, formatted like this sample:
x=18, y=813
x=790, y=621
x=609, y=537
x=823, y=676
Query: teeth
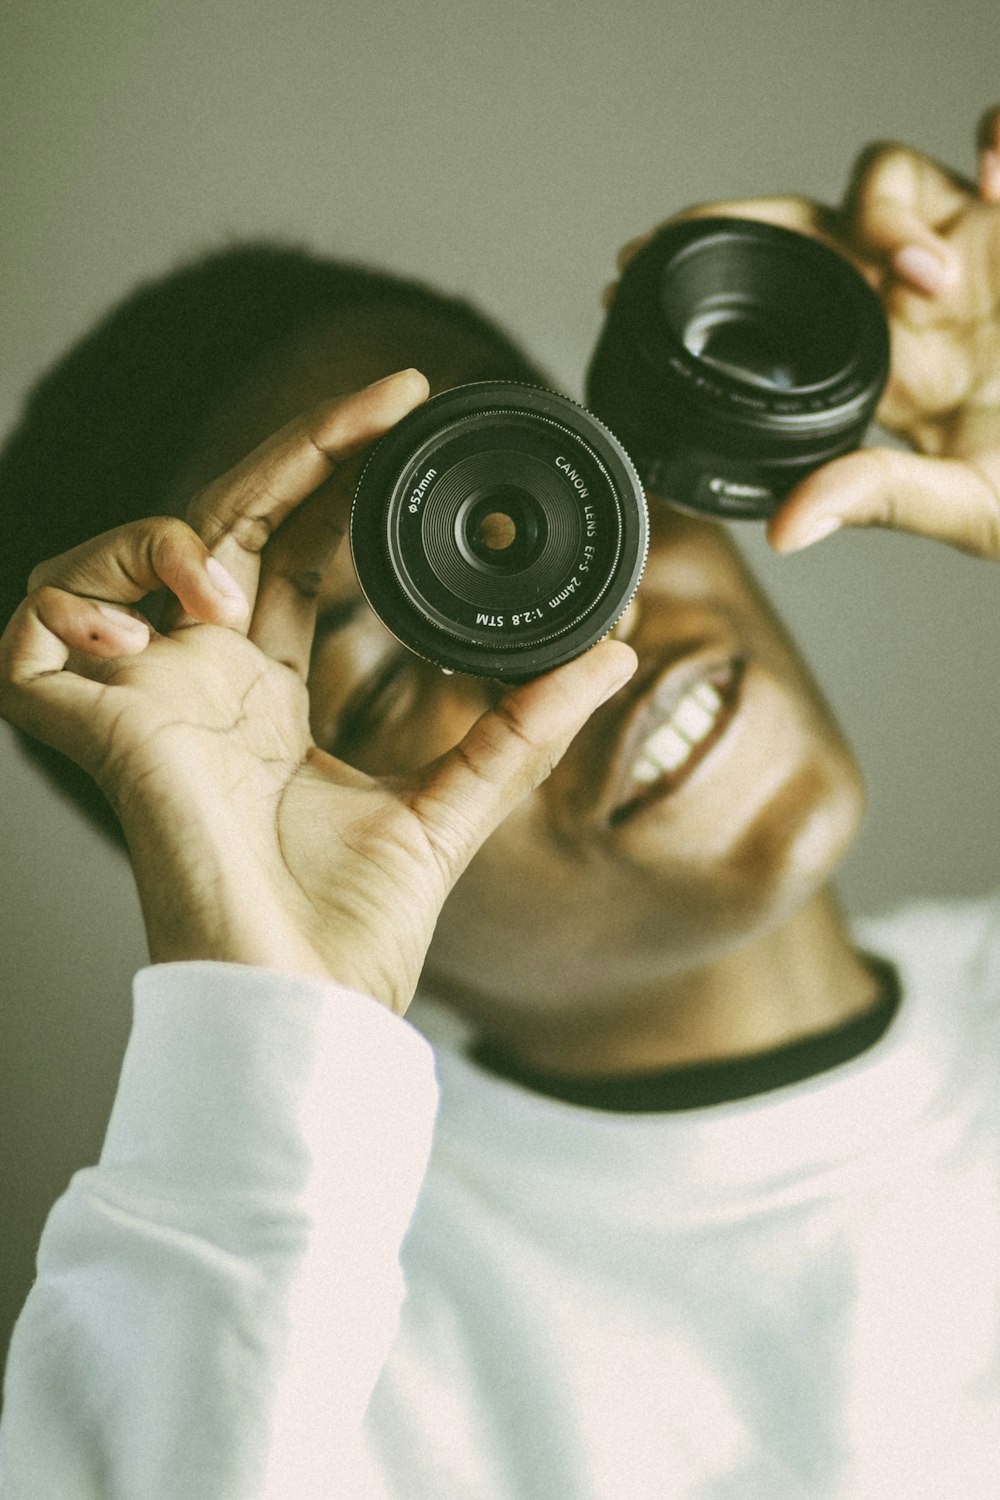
x=692, y=719
x=669, y=745
x=708, y=696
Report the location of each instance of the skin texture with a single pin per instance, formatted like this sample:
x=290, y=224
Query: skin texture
x=326, y=827
x=633, y=935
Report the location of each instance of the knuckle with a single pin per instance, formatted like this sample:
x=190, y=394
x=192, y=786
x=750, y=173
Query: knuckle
x=168, y=540
x=251, y=533
x=200, y=508
x=472, y=765
x=878, y=155
x=510, y=723
x=211, y=521
x=988, y=128
x=873, y=165
x=38, y=575
x=43, y=599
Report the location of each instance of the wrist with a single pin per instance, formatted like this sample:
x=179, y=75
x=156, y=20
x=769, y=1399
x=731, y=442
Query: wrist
x=205, y=892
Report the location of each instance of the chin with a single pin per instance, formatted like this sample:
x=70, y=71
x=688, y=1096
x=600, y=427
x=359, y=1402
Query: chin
x=770, y=868
x=544, y=925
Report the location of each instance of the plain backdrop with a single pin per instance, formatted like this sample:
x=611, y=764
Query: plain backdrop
x=505, y=152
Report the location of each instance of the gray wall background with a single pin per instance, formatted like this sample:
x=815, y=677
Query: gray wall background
x=504, y=151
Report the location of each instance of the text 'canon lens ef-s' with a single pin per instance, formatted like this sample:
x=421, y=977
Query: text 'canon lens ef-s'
x=499, y=530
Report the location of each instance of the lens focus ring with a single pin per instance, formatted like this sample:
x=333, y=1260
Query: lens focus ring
x=499, y=530
x=737, y=357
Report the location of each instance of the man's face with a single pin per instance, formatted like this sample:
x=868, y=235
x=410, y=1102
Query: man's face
x=702, y=805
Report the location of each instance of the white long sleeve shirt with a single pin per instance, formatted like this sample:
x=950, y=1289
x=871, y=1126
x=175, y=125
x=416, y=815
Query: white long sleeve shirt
x=796, y=1295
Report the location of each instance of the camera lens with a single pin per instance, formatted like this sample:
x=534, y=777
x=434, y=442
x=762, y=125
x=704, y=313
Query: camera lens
x=738, y=357
x=499, y=530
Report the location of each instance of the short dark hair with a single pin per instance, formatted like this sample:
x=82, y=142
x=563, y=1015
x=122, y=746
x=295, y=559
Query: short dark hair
x=106, y=431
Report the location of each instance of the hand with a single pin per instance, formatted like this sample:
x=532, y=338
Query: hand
x=929, y=242
x=248, y=842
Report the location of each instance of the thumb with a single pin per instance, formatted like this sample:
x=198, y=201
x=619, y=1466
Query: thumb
x=511, y=749
x=949, y=499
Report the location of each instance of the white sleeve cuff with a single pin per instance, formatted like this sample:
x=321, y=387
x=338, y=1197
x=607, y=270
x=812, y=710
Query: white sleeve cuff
x=216, y=1299
x=243, y=1080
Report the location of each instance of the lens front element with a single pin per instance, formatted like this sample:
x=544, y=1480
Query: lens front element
x=499, y=530
x=737, y=357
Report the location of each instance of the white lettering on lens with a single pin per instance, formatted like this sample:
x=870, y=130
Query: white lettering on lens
x=417, y=495
x=573, y=477
x=749, y=491
x=564, y=594
x=493, y=622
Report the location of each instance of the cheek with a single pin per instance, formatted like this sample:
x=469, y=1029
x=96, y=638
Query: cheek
x=438, y=720
x=513, y=909
x=431, y=715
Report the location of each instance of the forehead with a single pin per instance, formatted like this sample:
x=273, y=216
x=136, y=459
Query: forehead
x=341, y=351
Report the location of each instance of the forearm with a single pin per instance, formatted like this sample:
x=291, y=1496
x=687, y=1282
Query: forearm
x=227, y=1278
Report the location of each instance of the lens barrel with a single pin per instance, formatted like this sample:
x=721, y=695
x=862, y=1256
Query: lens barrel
x=737, y=357
x=499, y=530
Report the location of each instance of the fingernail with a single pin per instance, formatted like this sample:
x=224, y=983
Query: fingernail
x=138, y=630
x=825, y=526
x=410, y=370
x=925, y=268
x=224, y=581
x=989, y=175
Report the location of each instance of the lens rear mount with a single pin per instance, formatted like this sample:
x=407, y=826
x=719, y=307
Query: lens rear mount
x=499, y=530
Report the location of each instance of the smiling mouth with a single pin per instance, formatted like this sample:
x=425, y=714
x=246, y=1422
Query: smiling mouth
x=680, y=739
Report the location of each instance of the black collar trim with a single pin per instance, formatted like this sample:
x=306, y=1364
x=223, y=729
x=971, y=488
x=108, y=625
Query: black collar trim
x=698, y=1085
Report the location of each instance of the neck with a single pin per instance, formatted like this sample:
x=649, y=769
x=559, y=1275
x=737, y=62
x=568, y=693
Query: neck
x=801, y=979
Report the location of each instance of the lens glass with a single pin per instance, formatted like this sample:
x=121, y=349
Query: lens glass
x=757, y=316
x=737, y=358
x=741, y=342
x=499, y=530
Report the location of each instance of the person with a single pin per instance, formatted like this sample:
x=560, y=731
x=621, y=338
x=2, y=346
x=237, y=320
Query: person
x=682, y=1187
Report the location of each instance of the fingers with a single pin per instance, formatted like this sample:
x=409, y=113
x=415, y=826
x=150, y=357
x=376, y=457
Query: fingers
x=293, y=569
x=237, y=514
x=898, y=207
x=35, y=693
x=988, y=144
x=952, y=500
x=51, y=623
x=76, y=605
x=125, y=564
x=511, y=749
x=900, y=204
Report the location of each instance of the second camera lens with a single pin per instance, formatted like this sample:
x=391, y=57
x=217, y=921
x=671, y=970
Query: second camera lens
x=737, y=357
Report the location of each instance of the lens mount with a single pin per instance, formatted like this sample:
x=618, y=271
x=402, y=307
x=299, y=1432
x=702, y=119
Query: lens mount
x=499, y=530
x=737, y=357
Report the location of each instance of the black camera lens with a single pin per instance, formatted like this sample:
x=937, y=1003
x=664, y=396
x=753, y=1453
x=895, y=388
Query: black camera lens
x=737, y=357
x=499, y=530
